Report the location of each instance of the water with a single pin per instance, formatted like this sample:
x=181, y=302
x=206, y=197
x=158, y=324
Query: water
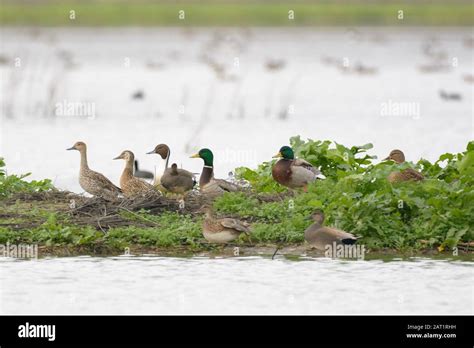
x=250, y=285
x=241, y=117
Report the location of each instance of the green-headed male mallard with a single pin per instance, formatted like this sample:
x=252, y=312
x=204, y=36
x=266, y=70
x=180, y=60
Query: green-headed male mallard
x=208, y=185
x=92, y=182
x=406, y=174
x=173, y=179
x=222, y=231
x=131, y=185
x=319, y=236
x=292, y=172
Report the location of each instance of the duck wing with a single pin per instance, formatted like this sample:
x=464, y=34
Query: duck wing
x=234, y=224
x=103, y=182
x=411, y=174
x=306, y=165
x=225, y=185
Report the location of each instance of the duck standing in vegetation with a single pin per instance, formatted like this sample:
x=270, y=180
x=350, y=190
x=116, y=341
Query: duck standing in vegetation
x=173, y=179
x=208, y=185
x=319, y=236
x=222, y=231
x=291, y=172
x=131, y=185
x=405, y=175
x=92, y=182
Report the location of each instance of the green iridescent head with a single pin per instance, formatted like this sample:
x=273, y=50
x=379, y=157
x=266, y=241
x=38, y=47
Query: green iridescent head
x=206, y=155
x=285, y=152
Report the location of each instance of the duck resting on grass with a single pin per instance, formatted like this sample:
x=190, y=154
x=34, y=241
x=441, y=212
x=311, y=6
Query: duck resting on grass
x=132, y=186
x=92, y=182
x=208, y=185
x=406, y=174
x=222, y=231
x=319, y=236
x=291, y=172
x=173, y=179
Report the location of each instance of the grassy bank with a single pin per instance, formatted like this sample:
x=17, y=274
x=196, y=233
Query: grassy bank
x=429, y=217
x=241, y=13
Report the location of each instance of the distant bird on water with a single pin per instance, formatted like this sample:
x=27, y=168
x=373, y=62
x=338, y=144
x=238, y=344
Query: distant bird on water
x=449, y=96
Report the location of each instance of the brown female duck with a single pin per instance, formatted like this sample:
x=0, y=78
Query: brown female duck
x=131, y=185
x=208, y=185
x=291, y=172
x=92, y=182
x=222, y=231
x=408, y=174
x=319, y=236
x=173, y=179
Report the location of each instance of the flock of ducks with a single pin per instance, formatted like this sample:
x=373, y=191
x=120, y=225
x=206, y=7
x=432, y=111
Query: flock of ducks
x=288, y=171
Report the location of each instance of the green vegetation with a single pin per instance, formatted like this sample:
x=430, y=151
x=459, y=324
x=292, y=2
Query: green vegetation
x=10, y=184
x=235, y=13
x=355, y=196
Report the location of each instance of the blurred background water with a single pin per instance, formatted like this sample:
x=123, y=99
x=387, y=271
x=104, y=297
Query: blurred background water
x=240, y=91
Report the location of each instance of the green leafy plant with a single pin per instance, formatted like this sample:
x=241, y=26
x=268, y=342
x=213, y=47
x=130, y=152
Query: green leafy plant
x=10, y=184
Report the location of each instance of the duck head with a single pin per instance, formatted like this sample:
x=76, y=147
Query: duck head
x=206, y=155
x=396, y=156
x=126, y=155
x=161, y=149
x=317, y=216
x=79, y=146
x=285, y=152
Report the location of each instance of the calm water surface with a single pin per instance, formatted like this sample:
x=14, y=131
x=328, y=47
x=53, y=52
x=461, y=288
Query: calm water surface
x=250, y=285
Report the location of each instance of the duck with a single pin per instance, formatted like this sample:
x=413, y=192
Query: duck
x=222, y=231
x=144, y=174
x=291, y=172
x=173, y=179
x=406, y=174
x=319, y=236
x=208, y=185
x=132, y=186
x=93, y=182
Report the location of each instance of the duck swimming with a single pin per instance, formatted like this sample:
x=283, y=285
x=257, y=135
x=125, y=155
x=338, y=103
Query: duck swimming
x=406, y=174
x=92, y=182
x=173, y=179
x=131, y=185
x=222, y=231
x=291, y=172
x=208, y=185
x=319, y=236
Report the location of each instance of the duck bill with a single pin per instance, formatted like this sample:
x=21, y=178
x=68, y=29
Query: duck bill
x=196, y=155
x=386, y=158
x=118, y=157
x=71, y=148
x=278, y=155
x=151, y=152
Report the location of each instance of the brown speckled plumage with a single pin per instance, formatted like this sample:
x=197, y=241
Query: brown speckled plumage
x=406, y=174
x=131, y=185
x=223, y=230
x=93, y=182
